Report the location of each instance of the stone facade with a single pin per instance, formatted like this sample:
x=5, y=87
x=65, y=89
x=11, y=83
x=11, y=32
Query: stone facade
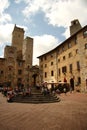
x=69, y=59
x=17, y=61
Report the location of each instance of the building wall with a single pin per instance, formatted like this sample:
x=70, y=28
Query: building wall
x=69, y=60
x=19, y=72
x=83, y=57
x=10, y=54
x=48, y=65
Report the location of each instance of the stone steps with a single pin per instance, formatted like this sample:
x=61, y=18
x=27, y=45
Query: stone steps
x=36, y=97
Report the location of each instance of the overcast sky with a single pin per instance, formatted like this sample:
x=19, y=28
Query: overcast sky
x=47, y=21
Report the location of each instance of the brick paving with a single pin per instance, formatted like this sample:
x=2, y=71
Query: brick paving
x=68, y=114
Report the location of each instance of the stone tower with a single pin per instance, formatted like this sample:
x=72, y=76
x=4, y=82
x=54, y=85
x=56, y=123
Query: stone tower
x=75, y=26
x=28, y=51
x=17, y=38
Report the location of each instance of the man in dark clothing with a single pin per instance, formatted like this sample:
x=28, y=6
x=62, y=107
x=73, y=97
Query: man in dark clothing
x=72, y=84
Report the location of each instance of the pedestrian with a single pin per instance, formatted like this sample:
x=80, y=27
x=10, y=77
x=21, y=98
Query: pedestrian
x=71, y=84
x=65, y=80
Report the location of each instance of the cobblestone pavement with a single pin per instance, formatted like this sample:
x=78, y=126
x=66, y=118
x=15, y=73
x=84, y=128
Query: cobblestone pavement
x=68, y=114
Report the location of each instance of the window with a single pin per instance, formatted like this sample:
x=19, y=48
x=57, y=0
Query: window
x=70, y=54
x=70, y=67
x=1, y=72
x=58, y=60
x=78, y=65
x=64, y=58
x=86, y=46
x=28, y=66
x=64, y=69
x=85, y=33
x=77, y=51
x=51, y=63
x=19, y=79
x=45, y=74
x=45, y=65
x=52, y=73
x=19, y=72
x=79, y=80
x=10, y=69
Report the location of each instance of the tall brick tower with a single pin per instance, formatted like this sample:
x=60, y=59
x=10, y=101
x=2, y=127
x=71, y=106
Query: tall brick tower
x=17, y=37
x=28, y=51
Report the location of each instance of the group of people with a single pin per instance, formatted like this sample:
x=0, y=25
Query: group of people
x=45, y=90
x=61, y=87
x=10, y=93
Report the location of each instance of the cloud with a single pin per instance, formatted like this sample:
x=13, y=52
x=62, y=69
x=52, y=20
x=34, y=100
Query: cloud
x=3, y=5
x=5, y=32
x=4, y=17
x=58, y=12
x=43, y=44
x=5, y=36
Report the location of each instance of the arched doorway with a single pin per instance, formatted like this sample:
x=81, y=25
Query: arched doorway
x=34, y=79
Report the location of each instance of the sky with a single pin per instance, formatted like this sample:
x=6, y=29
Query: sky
x=46, y=21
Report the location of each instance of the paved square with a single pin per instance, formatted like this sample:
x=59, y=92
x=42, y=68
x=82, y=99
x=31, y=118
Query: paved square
x=68, y=114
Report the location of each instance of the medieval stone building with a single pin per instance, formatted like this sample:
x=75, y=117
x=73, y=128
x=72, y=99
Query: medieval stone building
x=16, y=66
x=69, y=59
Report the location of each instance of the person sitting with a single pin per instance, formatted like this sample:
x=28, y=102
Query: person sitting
x=45, y=90
x=10, y=95
x=28, y=91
